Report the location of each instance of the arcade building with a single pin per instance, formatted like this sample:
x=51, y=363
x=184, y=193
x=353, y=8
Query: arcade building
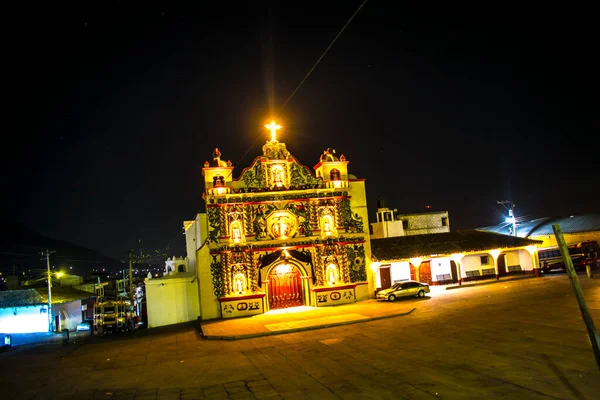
x=279, y=235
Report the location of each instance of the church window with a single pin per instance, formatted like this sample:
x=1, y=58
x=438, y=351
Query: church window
x=181, y=268
x=444, y=221
x=485, y=260
x=405, y=224
x=335, y=175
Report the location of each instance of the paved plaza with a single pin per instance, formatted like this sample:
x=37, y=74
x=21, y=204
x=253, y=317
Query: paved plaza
x=520, y=339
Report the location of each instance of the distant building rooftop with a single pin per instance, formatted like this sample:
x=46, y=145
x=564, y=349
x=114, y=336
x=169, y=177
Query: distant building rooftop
x=543, y=226
x=20, y=298
x=403, y=247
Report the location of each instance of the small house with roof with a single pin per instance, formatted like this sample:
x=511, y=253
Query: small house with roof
x=26, y=311
x=23, y=311
x=451, y=257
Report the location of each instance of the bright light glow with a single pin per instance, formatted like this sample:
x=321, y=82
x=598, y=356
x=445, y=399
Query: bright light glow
x=337, y=184
x=273, y=128
x=510, y=220
x=283, y=269
x=495, y=253
x=220, y=190
x=290, y=310
x=457, y=257
x=416, y=261
x=59, y=274
x=531, y=249
x=26, y=320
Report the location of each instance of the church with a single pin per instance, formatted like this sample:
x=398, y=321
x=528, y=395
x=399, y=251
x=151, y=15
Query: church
x=279, y=235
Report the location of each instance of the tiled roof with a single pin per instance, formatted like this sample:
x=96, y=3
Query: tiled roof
x=543, y=226
x=63, y=294
x=403, y=247
x=20, y=298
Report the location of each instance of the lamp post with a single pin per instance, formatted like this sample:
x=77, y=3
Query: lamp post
x=511, y=214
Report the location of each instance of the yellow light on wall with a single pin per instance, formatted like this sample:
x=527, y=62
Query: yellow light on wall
x=531, y=249
x=416, y=261
x=495, y=253
x=283, y=269
x=457, y=257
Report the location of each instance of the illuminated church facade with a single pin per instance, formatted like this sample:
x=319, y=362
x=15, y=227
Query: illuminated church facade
x=280, y=235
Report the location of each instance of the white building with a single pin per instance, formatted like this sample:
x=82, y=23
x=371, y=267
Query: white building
x=390, y=223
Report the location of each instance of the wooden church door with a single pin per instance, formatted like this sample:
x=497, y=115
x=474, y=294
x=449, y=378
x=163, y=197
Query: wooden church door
x=285, y=287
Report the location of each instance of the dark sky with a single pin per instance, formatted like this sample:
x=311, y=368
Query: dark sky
x=117, y=108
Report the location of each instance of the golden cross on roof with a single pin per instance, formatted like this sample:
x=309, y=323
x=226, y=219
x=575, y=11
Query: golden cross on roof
x=273, y=128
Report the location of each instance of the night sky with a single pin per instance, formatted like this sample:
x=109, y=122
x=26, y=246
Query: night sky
x=118, y=107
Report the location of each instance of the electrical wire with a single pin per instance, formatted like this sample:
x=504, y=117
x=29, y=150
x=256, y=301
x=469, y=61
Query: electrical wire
x=323, y=55
x=305, y=78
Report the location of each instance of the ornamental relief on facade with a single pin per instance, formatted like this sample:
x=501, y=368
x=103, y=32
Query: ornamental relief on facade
x=282, y=224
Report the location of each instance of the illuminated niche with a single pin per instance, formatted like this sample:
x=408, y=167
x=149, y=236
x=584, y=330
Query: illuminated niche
x=277, y=176
x=327, y=225
x=332, y=274
x=236, y=229
x=239, y=283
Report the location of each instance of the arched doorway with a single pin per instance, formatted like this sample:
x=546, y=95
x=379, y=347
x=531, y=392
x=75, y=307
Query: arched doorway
x=285, y=287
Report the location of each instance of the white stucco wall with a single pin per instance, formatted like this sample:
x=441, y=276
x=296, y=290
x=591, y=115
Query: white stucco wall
x=400, y=271
x=513, y=258
x=385, y=229
x=525, y=260
x=172, y=300
x=27, y=319
x=358, y=203
x=440, y=266
x=473, y=263
x=210, y=308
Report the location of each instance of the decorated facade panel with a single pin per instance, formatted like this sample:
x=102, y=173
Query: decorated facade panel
x=281, y=232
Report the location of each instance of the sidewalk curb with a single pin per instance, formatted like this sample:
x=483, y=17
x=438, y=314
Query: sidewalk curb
x=466, y=285
x=308, y=328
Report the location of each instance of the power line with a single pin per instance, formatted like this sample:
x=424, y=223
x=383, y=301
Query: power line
x=305, y=78
x=323, y=55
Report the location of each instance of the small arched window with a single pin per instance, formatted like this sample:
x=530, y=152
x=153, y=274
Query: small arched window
x=181, y=268
x=218, y=181
x=334, y=175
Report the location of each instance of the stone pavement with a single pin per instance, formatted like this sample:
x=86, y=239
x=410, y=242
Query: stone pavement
x=522, y=339
x=300, y=319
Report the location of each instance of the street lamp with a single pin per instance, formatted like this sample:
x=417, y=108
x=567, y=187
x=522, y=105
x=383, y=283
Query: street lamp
x=511, y=214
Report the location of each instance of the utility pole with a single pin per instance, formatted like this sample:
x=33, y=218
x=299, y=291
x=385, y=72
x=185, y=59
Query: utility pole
x=50, y=318
x=583, y=307
x=131, y=277
x=511, y=214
